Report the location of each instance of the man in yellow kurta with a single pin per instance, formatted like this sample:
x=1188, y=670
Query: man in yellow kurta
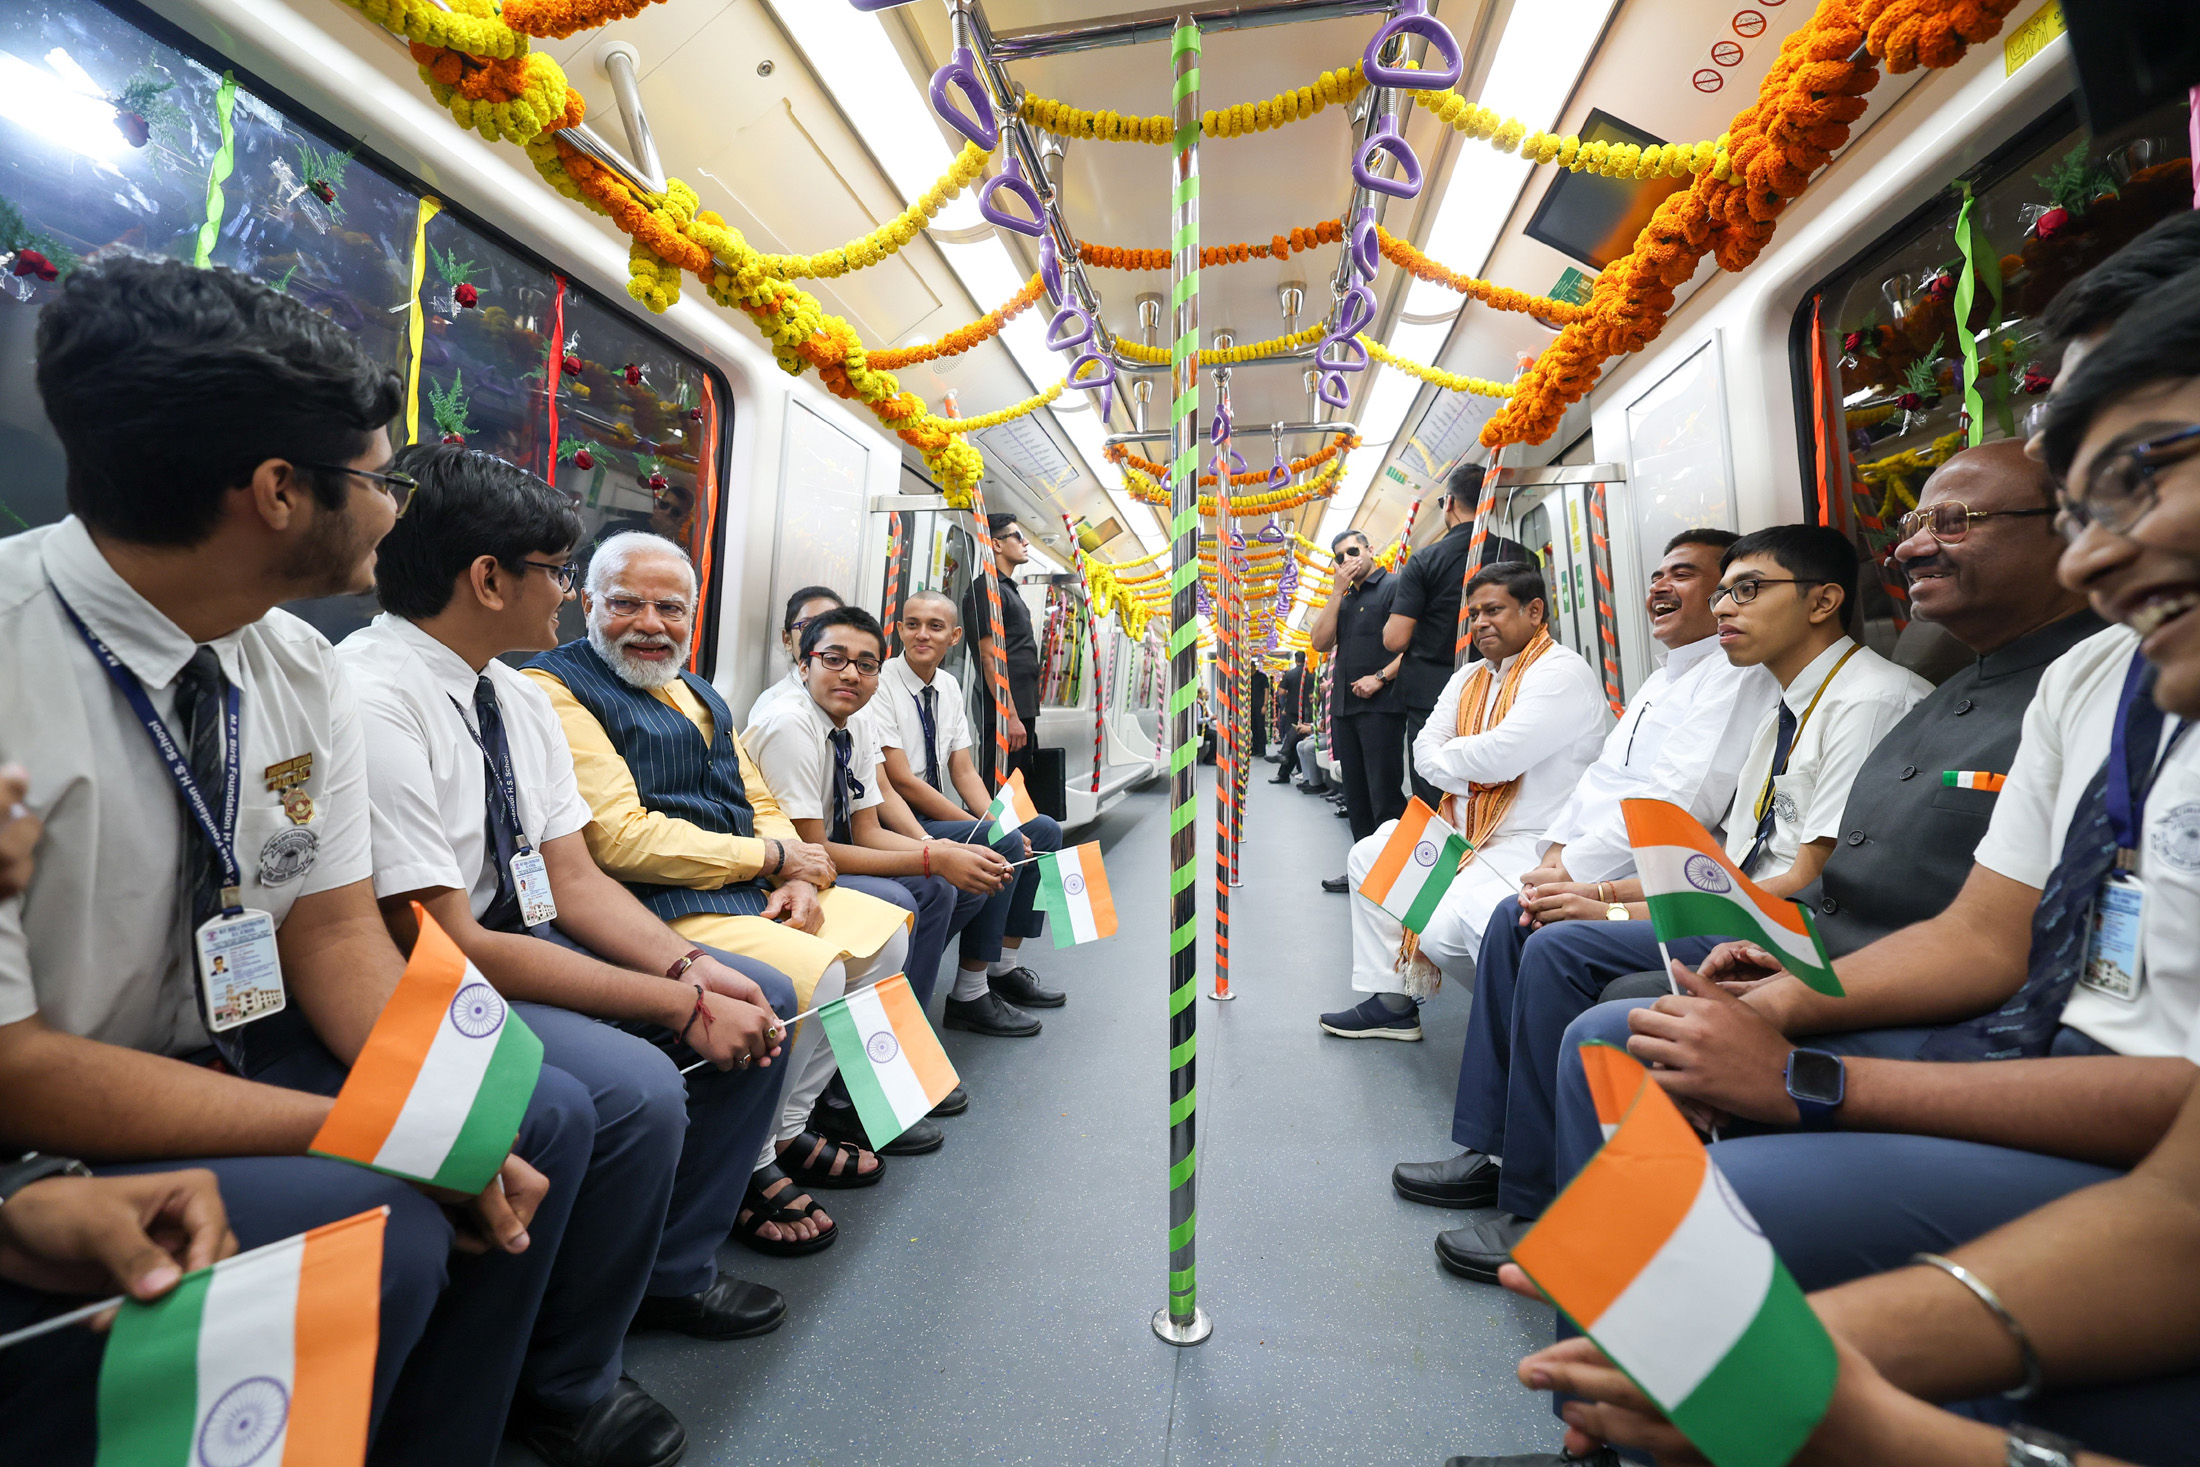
x=682, y=816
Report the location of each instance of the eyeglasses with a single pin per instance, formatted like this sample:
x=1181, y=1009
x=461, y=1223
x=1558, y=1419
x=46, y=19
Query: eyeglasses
x=2121, y=490
x=1746, y=591
x=399, y=487
x=565, y=575
x=1950, y=520
x=632, y=606
x=839, y=661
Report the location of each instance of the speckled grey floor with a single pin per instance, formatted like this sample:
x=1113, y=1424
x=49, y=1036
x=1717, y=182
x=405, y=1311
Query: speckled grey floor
x=990, y=1302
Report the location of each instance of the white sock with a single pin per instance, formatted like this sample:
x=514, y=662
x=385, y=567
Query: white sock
x=1010, y=957
x=969, y=984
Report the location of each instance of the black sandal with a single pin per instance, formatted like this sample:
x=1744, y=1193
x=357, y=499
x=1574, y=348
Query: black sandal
x=788, y=1206
x=811, y=1159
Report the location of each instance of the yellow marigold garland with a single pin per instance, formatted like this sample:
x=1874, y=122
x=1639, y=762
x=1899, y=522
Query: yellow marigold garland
x=999, y=416
x=1250, y=352
x=1449, y=381
x=888, y=238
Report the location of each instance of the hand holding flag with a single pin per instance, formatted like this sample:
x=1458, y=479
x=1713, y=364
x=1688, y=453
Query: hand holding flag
x=1009, y=810
x=889, y=1057
x=1651, y=1254
x=1695, y=891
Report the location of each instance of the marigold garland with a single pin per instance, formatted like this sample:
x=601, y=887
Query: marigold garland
x=556, y=19
x=1497, y=297
x=1321, y=485
x=1815, y=89
x=962, y=338
x=1123, y=454
x=890, y=237
x=1437, y=376
x=1252, y=351
x=999, y=416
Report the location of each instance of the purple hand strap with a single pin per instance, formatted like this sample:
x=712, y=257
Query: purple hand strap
x=1105, y=377
x=1367, y=245
x=1386, y=139
x=1074, y=314
x=1355, y=311
x=1354, y=360
x=1278, y=476
x=1333, y=391
x=960, y=72
x=1012, y=179
x=1050, y=268
x=1412, y=19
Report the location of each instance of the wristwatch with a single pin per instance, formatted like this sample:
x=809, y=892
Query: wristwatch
x=2031, y=1447
x=1817, y=1082
x=33, y=1166
x=1614, y=911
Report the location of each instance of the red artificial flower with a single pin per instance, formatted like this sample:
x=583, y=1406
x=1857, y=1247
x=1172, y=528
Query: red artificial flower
x=323, y=192
x=454, y=438
x=2050, y=224
x=583, y=459
x=633, y=375
x=31, y=262
x=135, y=128
x=658, y=483
x=1853, y=343
x=1910, y=402
x=465, y=295
x=1941, y=287
x=695, y=415
x=572, y=365
x=2036, y=382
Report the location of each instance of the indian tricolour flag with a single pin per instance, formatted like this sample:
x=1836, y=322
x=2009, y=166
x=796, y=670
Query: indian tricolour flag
x=1073, y=891
x=1010, y=809
x=889, y=1058
x=1416, y=866
x=1651, y=1255
x=438, y=1093
x=266, y=1358
x=1695, y=891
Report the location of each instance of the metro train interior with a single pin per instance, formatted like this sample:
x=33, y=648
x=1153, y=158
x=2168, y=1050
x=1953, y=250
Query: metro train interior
x=813, y=288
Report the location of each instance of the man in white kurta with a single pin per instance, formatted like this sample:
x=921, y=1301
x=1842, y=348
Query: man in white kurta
x=1545, y=740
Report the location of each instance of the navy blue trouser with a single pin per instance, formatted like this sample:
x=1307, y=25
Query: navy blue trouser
x=1012, y=912
x=942, y=910
x=1529, y=985
x=454, y=1327
x=713, y=1120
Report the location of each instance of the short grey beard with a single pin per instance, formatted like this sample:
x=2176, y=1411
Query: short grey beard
x=636, y=674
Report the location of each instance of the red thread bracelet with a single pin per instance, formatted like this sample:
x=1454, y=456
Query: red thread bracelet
x=699, y=1012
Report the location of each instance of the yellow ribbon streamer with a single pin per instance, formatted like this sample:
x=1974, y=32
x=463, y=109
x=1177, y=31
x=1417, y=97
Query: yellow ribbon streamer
x=416, y=326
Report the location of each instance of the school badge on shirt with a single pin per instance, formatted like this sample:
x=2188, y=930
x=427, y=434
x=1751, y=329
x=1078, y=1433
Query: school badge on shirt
x=289, y=854
x=287, y=782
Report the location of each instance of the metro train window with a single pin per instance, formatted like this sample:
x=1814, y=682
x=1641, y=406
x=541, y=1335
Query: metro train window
x=1882, y=329
x=110, y=130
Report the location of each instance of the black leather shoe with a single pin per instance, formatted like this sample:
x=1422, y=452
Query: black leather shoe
x=1284, y=778
x=1336, y=883
x=1466, y=1180
x=841, y=1123
x=986, y=1014
x=627, y=1428
x=1021, y=987
x=730, y=1309
x=1343, y=813
x=1601, y=1457
x=1479, y=1249
x=954, y=1103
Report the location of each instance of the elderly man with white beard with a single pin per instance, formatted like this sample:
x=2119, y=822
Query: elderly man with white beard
x=682, y=815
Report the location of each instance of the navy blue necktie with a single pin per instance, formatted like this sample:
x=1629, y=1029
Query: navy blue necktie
x=2025, y=1026
x=503, y=835
x=1769, y=820
x=844, y=782
x=928, y=703
x=201, y=691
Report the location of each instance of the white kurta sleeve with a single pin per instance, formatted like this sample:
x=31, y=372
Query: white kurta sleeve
x=1548, y=716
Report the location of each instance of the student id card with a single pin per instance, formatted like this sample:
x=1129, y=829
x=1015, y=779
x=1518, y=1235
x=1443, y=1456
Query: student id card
x=531, y=879
x=2114, y=958
x=240, y=971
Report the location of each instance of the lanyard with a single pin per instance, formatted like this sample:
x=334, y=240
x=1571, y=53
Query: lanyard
x=2131, y=768
x=220, y=833
x=501, y=772
x=1764, y=797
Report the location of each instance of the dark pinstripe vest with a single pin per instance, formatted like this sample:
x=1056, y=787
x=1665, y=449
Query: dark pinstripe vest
x=675, y=773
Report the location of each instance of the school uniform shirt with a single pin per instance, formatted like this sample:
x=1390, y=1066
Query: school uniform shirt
x=1853, y=713
x=97, y=944
x=1907, y=834
x=789, y=686
x=1682, y=739
x=793, y=749
x=900, y=724
x=427, y=777
x=1549, y=736
x=1360, y=650
x=2066, y=738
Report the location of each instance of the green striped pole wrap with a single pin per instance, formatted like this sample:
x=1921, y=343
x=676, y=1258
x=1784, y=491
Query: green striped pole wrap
x=1227, y=652
x=1182, y=1322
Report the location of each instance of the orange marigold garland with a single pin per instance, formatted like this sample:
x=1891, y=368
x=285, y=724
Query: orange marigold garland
x=1124, y=454
x=1282, y=247
x=1498, y=297
x=962, y=338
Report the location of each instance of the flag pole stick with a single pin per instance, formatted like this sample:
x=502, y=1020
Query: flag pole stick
x=1666, y=960
x=1181, y=1321
x=60, y=1321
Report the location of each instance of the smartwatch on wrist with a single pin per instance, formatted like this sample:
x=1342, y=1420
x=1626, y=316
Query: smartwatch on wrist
x=35, y=1166
x=1817, y=1082
x=2031, y=1447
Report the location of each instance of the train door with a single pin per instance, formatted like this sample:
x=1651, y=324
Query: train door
x=1564, y=518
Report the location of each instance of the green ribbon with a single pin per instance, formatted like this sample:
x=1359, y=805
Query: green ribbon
x=225, y=159
x=1978, y=265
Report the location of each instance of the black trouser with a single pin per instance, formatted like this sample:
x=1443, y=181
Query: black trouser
x=1371, y=759
x=1260, y=725
x=1430, y=795
x=1287, y=754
